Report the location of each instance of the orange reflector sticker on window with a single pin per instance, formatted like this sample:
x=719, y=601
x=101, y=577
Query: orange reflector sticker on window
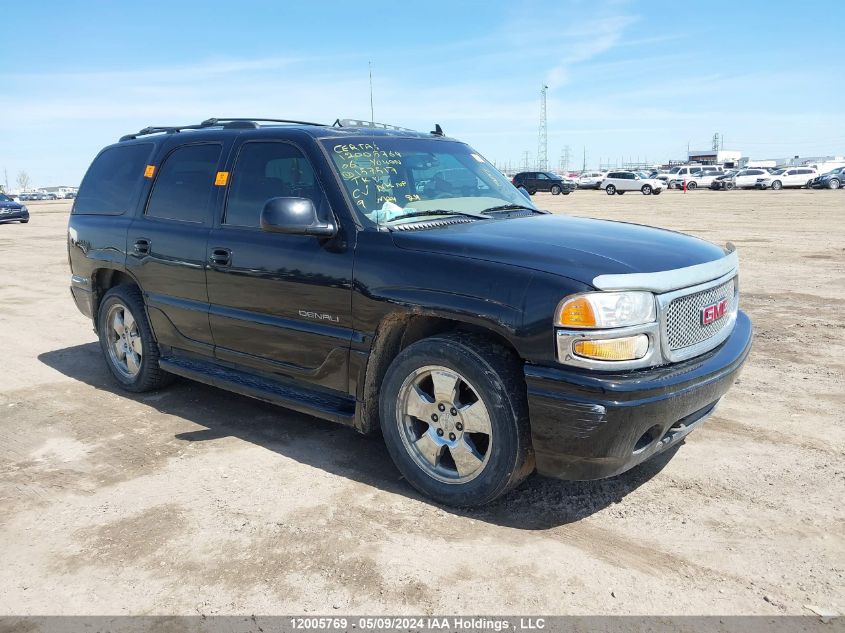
x=222, y=178
x=149, y=170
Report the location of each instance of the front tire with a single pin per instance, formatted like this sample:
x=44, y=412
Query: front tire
x=834, y=183
x=454, y=416
x=127, y=341
x=777, y=185
x=610, y=189
x=646, y=190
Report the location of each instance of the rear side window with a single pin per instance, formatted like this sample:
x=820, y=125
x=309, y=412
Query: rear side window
x=269, y=170
x=185, y=184
x=111, y=185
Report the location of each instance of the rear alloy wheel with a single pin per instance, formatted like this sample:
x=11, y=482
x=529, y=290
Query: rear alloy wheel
x=610, y=190
x=834, y=183
x=777, y=185
x=729, y=186
x=646, y=190
x=127, y=341
x=455, y=419
x=555, y=190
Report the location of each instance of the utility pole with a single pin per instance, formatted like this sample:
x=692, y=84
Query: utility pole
x=372, y=116
x=584, y=165
x=543, y=137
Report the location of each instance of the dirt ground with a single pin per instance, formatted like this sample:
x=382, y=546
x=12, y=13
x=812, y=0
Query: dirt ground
x=193, y=500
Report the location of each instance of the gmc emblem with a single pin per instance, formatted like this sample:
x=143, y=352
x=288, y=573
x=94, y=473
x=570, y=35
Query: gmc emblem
x=714, y=312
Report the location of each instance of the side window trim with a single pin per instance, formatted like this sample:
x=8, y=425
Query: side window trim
x=163, y=161
x=232, y=165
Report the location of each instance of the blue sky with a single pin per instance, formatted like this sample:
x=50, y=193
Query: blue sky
x=627, y=79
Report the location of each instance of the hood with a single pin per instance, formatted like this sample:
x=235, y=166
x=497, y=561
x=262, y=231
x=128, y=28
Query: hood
x=10, y=205
x=577, y=248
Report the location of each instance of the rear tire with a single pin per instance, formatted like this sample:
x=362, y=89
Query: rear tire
x=610, y=189
x=555, y=190
x=127, y=341
x=691, y=185
x=454, y=415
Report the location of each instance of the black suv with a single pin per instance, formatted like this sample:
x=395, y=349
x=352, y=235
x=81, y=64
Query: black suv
x=395, y=280
x=534, y=181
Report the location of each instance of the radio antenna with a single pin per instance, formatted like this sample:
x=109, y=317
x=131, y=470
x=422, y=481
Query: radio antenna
x=372, y=116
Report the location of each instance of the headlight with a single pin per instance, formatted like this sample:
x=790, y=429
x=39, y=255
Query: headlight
x=606, y=310
x=23, y=208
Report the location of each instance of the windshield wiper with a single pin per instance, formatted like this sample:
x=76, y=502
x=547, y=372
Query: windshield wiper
x=509, y=207
x=419, y=214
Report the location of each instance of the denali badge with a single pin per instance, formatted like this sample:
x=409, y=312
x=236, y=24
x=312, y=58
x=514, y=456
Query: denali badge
x=320, y=317
x=714, y=312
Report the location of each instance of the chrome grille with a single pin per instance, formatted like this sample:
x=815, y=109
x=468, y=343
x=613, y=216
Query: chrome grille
x=683, y=316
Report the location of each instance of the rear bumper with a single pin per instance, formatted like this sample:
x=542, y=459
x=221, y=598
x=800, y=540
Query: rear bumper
x=590, y=426
x=83, y=295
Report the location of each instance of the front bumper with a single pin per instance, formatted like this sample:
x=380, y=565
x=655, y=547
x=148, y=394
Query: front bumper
x=589, y=425
x=13, y=215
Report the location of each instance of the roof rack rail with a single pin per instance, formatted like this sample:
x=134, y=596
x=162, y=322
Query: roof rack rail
x=372, y=124
x=235, y=122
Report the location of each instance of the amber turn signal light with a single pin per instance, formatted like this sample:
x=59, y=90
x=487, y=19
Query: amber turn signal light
x=625, y=348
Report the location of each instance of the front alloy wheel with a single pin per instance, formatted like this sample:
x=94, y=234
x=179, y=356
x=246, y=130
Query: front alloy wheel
x=444, y=424
x=646, y=190
x=454, y=416
x=833, y=183
x=777, y=185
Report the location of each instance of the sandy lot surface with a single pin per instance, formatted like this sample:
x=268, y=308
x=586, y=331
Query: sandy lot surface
x=194, y=500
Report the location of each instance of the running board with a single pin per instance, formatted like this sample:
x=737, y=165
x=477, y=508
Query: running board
x=338, y=409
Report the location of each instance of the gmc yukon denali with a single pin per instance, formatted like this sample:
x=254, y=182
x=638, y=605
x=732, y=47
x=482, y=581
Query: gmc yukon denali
x=394, y=280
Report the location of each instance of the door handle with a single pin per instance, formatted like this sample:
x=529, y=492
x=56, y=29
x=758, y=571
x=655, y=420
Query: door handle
x=220, y=256
x=142, y=246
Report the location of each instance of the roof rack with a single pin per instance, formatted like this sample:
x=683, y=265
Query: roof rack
x=372, y=124
x=232, y=123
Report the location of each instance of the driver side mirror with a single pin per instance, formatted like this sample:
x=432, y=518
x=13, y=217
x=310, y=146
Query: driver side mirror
x=294, y=216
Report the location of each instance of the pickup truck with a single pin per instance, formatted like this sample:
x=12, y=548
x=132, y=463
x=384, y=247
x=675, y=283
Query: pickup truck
x=395, y=281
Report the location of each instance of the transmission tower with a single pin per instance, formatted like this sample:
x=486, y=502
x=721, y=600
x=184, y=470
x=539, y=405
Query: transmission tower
x=543, y=140
x=525, y=155
x=564, y=158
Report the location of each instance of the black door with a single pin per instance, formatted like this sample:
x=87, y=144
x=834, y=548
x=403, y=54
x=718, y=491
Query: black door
x=279, y=303
x=167, y=246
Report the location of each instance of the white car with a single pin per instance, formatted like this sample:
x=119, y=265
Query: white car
x=747, y=178
x=703, y=177
x=789, y=177
x=618, y=182
x=591, y=179
x=677, y=175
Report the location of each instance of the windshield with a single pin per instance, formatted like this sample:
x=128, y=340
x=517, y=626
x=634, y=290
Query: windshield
x=389, y=179
x=4, y=198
